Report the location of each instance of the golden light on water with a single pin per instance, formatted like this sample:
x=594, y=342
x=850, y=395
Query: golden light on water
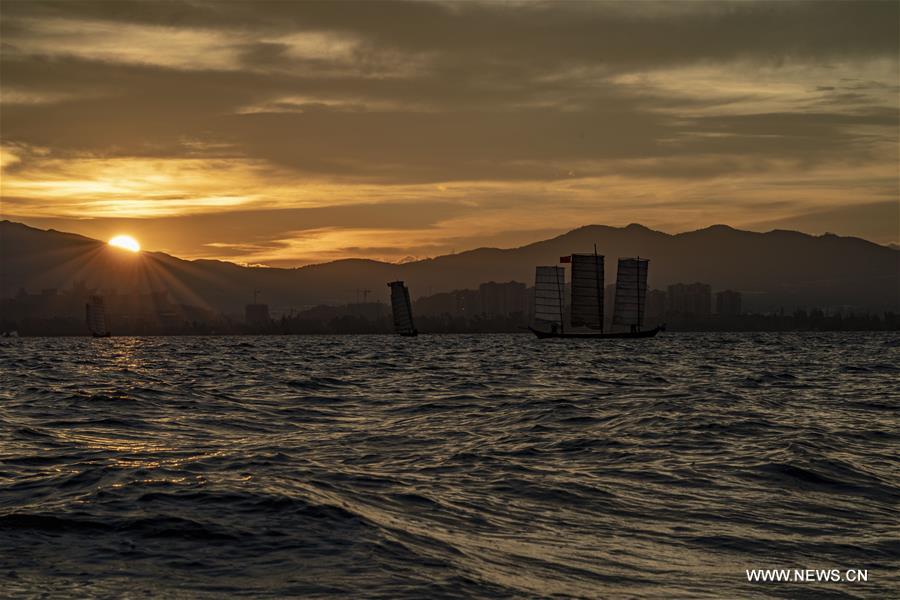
x=126, y=242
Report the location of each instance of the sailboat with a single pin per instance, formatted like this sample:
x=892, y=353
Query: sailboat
x=95, y=315
x=586, y=319
x=402, y=309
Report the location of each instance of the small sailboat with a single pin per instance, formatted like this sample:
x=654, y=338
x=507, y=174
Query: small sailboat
x=95, y=316
x=586, y=317
x=402, y=309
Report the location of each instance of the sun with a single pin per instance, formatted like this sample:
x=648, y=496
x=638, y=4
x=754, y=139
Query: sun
x=126, y=242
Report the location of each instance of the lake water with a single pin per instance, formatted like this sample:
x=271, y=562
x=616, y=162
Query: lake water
x=476, y=466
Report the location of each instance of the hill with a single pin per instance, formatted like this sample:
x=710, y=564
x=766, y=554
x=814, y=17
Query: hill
x=773, y=269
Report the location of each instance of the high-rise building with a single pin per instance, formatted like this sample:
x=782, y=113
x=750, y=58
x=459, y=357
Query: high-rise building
x=728, y=303
x=689, y=299
x=656, y=306
x=503, y=299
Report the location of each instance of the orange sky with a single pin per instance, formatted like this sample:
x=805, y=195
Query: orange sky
x=286, y=133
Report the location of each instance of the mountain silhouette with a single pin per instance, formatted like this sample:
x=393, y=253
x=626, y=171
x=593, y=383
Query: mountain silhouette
x=773, y=270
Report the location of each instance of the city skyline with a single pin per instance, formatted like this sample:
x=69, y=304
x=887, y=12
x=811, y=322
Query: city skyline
x=823, y=271
x=287, y=134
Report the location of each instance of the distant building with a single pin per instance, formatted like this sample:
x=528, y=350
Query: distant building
x=437, y=304
x=256, y=314
x=490, y=299
x=689, y=299
x=468, y=303
x=656, y=305
x=503, y=299
x=728, y=303
x=368, y=310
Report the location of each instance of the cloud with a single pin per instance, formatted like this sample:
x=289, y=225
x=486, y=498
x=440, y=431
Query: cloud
x=491, y=113
x=265, y=234
x=109, y=41
x=877, y=221
x=617, y=33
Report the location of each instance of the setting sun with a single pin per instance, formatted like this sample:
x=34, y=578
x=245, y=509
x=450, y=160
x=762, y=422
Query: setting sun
x=126, y=242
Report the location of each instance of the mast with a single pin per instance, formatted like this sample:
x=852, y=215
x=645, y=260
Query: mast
x=559, y=294
x=599, y=274
x=637, y=283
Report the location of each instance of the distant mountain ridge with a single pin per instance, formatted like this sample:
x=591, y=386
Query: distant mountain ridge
x=773, y=269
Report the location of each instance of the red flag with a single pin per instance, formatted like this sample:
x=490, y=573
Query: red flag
x=565, y=259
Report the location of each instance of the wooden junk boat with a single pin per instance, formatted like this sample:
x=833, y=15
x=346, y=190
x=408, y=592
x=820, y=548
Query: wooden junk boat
x=586, y=315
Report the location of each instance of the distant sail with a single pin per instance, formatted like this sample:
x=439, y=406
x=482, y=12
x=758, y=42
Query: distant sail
x=549, y=283
x=631, y=291
x=96, y=316
x=402, y=308
x=587, y=291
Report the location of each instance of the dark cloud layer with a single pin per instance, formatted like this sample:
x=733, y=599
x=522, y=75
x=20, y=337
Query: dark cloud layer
x=501, y=85
x=622, y=33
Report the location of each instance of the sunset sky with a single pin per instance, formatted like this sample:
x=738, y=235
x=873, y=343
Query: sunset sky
x=287, y=133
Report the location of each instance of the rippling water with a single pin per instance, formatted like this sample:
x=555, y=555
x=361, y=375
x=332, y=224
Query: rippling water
x=489, y=466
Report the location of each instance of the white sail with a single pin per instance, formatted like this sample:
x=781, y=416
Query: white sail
x=549, y=283
x=96, y=316
x=631, y=291
x=402, y=309
x=587, y=291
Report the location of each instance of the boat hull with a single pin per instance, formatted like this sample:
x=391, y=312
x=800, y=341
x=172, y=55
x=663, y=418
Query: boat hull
x=592, y=336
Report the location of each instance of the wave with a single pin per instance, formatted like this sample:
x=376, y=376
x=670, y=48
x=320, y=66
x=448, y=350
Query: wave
x=477, y=466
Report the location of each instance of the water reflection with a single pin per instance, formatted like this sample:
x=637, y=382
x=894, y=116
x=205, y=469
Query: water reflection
x=480, y=466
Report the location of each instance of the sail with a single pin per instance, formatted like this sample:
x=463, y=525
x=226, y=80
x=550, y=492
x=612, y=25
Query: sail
x=402, y=308
x=96, y=316
x=631, y=291
x=549, y=283
x=587, y=291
